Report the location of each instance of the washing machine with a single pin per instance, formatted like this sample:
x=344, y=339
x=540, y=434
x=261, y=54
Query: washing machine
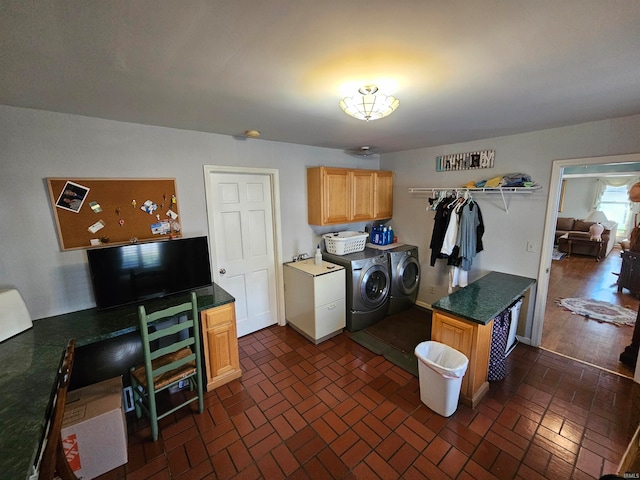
x=367, y=286
x=404, y=270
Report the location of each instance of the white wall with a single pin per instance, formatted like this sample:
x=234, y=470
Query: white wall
x=578, y=197
x=506, y=237
x=36, y=145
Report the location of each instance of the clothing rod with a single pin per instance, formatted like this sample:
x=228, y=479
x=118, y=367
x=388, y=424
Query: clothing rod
x=476, y=189
x=490, y=190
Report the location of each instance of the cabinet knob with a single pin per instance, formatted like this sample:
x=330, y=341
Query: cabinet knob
x=222, y=271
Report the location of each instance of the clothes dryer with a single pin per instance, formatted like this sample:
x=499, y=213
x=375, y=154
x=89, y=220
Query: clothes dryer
x=367, y=286
x=404, y=269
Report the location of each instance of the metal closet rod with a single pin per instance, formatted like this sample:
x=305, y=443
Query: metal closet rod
x=500, y=190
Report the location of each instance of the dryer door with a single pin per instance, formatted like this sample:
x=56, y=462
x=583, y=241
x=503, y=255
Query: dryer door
x=373, y=286
x=408, y=273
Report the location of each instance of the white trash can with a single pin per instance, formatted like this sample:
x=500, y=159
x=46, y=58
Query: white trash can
x=440, y=371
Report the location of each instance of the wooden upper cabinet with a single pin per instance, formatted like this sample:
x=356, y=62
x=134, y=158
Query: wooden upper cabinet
x=343, y=195
x=383, y=195
x=362, y=195
x=328, y=194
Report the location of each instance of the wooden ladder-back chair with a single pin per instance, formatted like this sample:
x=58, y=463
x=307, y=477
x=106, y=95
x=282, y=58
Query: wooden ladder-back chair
x=54, y=459
x=167, y=365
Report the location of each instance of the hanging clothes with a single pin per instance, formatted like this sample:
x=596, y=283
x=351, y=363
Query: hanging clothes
x=459, y=219
x=457, y=278
x=440, y=224
x=479, y=231
x=467, y=235
x=459, y=265
x=451, y=235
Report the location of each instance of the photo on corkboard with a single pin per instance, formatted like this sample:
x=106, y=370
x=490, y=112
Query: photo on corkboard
x=72, y=197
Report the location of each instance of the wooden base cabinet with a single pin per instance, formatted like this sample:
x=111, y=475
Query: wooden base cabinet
x=630, y=272
x=474, y=341
x=220, y=343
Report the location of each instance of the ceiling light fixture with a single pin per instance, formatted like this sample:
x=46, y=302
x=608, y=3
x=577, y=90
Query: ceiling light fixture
x=369, y=104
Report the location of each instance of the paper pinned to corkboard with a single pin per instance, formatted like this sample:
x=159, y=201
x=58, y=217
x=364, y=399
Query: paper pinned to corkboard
x=108, y=211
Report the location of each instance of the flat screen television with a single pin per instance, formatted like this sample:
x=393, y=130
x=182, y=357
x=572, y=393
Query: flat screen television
x=133, y=273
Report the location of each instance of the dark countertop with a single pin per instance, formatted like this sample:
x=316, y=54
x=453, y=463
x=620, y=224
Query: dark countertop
x=482, y=300
x=30, y=363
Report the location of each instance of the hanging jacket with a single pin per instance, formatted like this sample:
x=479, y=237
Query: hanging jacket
x=451, y=234
x=479, y=230
x=440, y=224
x=468, y=235
x=469, y=241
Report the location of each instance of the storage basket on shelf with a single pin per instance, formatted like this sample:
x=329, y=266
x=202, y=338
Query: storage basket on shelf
x=341, y=243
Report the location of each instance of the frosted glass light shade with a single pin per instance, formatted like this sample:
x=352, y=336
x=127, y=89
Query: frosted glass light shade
x=369, y=104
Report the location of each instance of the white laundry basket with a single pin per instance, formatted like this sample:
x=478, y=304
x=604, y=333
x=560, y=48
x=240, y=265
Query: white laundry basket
x=440, y=371
x=342, y=243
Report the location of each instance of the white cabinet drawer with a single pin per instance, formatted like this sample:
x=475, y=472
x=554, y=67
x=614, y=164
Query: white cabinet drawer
x=330, y=318
x=329, y=287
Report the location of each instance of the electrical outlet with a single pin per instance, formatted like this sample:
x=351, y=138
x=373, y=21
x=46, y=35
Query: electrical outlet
x=432, y=289
x=532, y=247
x=127, y=394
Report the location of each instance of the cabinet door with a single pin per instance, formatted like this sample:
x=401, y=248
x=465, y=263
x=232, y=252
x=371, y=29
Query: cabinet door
x=336, y=194
x=634, y=284
x=220, y=341
x=458, y=335
x=383, y=195
x=630, y=273
x=222, y=349
x=453, y=332
x=624, y=280
x=329, y=318
x=474, y=341
x=362, y=200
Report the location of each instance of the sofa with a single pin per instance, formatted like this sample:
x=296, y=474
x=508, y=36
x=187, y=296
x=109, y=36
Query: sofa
x=572, y=236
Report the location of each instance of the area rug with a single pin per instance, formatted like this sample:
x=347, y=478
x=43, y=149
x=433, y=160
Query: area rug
x=600, y=311
x=557, y=255
x=403, y=330
x=396, y=337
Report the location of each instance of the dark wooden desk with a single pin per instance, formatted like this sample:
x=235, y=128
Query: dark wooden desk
x=30, y=361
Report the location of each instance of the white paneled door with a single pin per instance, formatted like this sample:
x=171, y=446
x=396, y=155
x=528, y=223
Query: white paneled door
x=241, y=229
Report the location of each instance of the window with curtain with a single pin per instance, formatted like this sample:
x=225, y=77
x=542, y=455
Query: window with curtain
x=612, y=198
x=615, y=205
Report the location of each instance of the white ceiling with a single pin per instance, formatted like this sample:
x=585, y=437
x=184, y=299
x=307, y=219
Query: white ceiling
x=462, y=69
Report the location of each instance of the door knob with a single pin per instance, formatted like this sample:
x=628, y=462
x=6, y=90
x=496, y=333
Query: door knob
x=222, y=271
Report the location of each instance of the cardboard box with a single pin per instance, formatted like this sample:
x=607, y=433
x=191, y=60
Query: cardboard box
x=94, y=429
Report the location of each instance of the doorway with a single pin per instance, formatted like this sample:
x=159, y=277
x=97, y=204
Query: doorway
x=243, y=210
x=549, y=229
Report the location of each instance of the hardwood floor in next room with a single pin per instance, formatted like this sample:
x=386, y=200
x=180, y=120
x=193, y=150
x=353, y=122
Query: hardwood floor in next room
x=575, y=336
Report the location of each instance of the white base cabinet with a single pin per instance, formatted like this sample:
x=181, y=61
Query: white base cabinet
x=314, y=295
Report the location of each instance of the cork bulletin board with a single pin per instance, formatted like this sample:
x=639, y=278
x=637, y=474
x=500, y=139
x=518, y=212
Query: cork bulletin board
x=92, y=212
